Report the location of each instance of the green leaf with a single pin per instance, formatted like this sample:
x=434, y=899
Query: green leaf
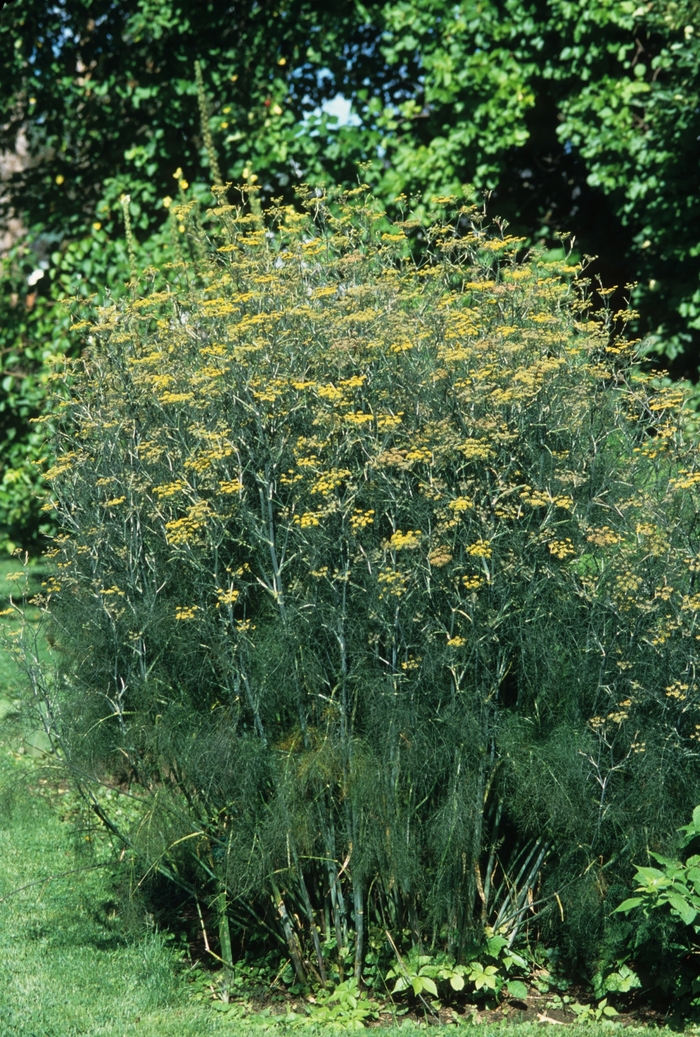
x=681, y=906
x=495, y=945
x=428, y=984
x=651, y=876
x=430, y=970
x=629, y=904
x=514, y=959
x=668, y=862
x=621, y=981
x=517, y=989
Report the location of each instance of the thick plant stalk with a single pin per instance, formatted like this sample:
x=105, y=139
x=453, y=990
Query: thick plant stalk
x=516, y=904
x=491, y=863
x=290, y=935
x=225, y=934
x=252, y=703
x=306, y=900
x=274, y=586
x=359, y=914
x=414, y=922
x=350, y=806
x=335, y=894
x=347, y=755
x=206, y=132
x=130, y=240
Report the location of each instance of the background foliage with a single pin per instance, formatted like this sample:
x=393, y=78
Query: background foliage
x=582, y=118
x=375, y=587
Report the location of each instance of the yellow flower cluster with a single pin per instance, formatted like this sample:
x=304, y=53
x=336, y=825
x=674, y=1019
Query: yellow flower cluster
x=114, y=590
x=480, y=549
x=176, y=397
x=604, y=537
x=308, y=519
x=229, y=486
x=183, y=530
x=628, y=582
x=392, y=582
x=358, y=418
x=405, y=541
x=476, y=450
x=543, y=499
x=686, y=481
x=561, y=548
x=472, y=583
x=330, y=480
x=404, y=458
x=677, y=690
x=361, y=519
x=456, y=642
x=440, y=556
x=171, y=489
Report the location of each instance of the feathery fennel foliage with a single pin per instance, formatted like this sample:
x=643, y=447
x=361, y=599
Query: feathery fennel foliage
x=376, y=584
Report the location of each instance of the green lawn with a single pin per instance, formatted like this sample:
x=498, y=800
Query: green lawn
x=9, y=678
x=68, y=964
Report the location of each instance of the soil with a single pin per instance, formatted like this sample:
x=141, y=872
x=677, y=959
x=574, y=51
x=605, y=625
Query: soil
x=536, y=1008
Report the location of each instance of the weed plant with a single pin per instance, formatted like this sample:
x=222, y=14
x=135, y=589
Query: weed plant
x=375, y=590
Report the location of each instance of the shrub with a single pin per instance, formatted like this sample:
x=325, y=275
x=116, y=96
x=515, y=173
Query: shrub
x=665, y=907
x=376, y=583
